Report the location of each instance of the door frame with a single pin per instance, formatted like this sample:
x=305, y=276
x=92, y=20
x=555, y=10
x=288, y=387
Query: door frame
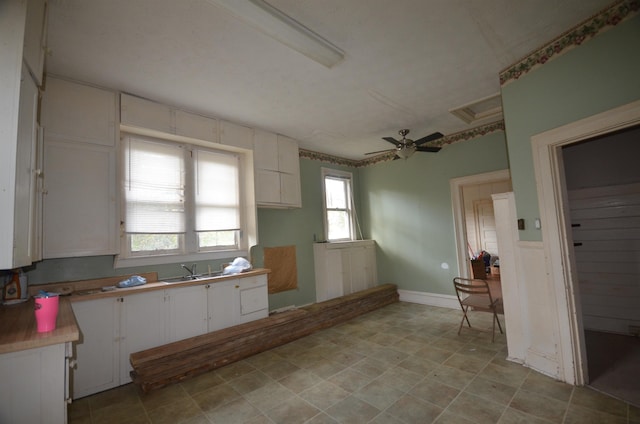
x=457, y=200
x=556, y=235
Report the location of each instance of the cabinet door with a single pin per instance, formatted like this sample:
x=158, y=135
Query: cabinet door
x=236, y=135
x=329, y=272
x=33, y=383
x=290, y=194
x=80, y=202
x=25, y=195
x=196, y=126
x=143, y=323
x=35, y=38
x=97, y=354
x=254, y=298
x=288, y=155
x=358, y=273
x=265, y=151
x=187, y=312
x=77, y=112
x=223, y=304
x=142, y=113
x=267, y=186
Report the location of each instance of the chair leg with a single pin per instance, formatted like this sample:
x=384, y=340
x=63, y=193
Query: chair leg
x=464, y=317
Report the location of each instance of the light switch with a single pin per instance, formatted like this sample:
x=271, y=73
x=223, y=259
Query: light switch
x=537, y=223
x=521, y=224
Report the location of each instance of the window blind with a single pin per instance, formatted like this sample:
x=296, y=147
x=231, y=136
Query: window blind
x=217, y=194
x=154, y=187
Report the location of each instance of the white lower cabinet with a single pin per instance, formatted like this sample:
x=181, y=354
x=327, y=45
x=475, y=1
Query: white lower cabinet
x=253, y=298
x=142, y=326
x=187, y=312
x=36, y=376
x=344, y=268
x=222, y=304
x=97, y=352
x=111, y=329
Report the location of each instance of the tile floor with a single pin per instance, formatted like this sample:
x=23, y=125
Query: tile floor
x=400, y=364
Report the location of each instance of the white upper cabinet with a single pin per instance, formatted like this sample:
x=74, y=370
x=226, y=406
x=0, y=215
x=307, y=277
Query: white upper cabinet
x=288, y=155
x=196, y=126
x=35, y=38
x=24, y=238
x=143, y=113
x=265, y=150
x=18, y=129
x=236, y=135
x=79, y=168
x=77, y=112
x=277, y=171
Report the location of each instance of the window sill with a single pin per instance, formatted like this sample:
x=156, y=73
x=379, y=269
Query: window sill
x=121, y=262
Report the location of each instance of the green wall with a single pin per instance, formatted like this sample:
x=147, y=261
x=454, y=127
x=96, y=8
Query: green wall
x=407, y=206
x=597, y=76
x=298, y=227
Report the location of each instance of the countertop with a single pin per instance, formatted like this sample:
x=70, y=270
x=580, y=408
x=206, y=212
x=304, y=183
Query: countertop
x=18, y=327
x=89, y=293
x=18, y=322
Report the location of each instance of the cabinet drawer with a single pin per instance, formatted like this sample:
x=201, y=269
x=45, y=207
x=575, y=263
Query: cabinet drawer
x=253, y=299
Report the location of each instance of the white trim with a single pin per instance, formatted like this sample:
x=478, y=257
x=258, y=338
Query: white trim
x=550, y=182
x=517, y=330
x=457, y=201
x=431, y=299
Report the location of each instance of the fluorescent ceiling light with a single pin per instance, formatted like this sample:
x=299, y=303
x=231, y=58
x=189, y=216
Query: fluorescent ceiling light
x=283, y=28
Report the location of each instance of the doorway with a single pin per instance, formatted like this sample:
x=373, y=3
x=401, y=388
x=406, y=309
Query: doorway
x=557, y=231
x=603, y=201
x=475, y=221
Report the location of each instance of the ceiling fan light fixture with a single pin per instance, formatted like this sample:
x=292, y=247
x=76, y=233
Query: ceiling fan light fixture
x=284, y=29
x=405, y=151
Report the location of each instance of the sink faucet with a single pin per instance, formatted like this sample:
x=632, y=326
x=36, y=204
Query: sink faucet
x=191, y=271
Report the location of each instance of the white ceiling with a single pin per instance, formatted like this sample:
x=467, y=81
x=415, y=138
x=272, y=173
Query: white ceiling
x=407, y=62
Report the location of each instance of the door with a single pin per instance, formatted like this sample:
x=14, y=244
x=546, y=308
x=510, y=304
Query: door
x=486, y=226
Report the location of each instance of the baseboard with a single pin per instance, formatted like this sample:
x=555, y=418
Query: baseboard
x=431, y=299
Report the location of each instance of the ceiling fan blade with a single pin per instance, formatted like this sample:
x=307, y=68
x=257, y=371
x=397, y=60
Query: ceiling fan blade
x=430, y=137
x=379, y=151
x=392, y=141
x=427, y=149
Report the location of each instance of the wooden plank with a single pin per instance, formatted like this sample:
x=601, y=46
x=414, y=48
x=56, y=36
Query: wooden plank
x=167, y=364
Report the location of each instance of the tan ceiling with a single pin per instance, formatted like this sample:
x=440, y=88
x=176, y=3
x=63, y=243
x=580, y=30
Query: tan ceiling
x=407, y=62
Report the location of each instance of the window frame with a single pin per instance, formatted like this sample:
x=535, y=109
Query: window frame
x=346, y=176
x=189, y=249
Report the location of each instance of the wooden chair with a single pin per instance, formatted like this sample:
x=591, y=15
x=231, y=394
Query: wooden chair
x=474, y=293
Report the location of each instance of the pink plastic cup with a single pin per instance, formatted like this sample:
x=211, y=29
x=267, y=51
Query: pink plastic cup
x=46, y=313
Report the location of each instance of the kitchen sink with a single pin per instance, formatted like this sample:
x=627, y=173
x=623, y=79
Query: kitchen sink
x=196, y=277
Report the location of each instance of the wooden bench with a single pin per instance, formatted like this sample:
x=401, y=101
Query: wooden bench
x=163, y=365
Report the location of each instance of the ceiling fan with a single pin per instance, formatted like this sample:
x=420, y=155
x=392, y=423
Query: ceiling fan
x=407, y=147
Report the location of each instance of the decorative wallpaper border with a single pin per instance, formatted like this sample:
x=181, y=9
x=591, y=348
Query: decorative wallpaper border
x=449, y=139
x=601, y=22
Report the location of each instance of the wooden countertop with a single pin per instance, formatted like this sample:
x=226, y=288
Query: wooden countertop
x=18, y=322
x=90, y=293
x=18, y=329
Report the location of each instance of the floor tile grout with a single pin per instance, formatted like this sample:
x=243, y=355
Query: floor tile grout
x=370, y=340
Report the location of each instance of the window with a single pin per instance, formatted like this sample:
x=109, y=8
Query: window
x=338, y=205
x=179, y=199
